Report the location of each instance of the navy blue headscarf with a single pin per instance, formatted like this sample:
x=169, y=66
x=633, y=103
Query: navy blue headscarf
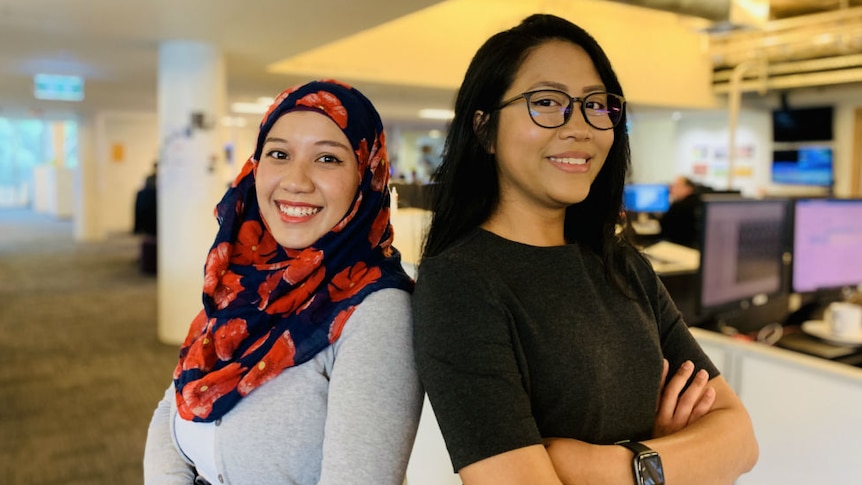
x=266, y=307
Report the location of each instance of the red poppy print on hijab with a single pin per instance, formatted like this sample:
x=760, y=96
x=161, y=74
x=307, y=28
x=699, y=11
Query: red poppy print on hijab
x=363, y=155
x=329, y=104
x=264, y=291
x=247, y=168
x=201, y=354
x=378, y=165
x=338, y=323
x=256, y=345
x=253, y=244
x=349, y=281
x=229, y=336
x=337, y=82
x=277, y=101
x=381, y=222
x=297, y=295
x=302, y=265
x=216, y=266
x=227, y=290
x=280, y=357
x=197, y=327
x=198, y=396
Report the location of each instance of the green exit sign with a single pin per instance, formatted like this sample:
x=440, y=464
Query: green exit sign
x=58, y=87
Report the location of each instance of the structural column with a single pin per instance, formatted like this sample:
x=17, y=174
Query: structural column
x=192, y=97
x=85, y=187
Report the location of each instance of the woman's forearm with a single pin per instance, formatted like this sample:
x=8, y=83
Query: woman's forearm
x=715, y=449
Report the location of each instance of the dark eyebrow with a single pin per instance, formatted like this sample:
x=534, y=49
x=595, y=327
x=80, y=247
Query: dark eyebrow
x=274, y=139
x=333, y=143
x=564, y=88
x=327, y=143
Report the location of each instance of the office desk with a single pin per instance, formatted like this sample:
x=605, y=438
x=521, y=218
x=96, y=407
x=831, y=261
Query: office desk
x=670, y=258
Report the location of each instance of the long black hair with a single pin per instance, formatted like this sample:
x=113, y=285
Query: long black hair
x=467, y=189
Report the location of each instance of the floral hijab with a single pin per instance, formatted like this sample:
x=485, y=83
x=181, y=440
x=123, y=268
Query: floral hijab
x=266, y=307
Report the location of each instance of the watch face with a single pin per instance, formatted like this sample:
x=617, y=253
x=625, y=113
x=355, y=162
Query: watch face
x=651, y=470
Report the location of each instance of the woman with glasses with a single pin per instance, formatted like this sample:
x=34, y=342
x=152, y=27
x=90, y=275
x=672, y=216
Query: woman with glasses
x=542, y=338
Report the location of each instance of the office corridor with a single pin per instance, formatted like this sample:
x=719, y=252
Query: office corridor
x=80, y=365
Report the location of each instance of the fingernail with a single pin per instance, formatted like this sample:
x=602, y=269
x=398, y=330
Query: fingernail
x=688, y=365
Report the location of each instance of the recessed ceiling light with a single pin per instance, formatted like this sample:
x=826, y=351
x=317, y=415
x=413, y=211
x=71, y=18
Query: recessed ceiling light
x=232, y=121
x=249, y=108
x=436, y=114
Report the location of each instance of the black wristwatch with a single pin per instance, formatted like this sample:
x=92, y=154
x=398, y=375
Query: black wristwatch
x=646, y=464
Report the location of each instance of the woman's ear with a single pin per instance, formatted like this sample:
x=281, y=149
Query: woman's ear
x=480, y=120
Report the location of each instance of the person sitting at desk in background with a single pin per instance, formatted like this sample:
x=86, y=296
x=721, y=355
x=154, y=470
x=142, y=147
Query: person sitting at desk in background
x=299, y=369
x=542, y=338
x=681, y=223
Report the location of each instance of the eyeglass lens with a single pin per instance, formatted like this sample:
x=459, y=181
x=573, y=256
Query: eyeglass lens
x=550, y=108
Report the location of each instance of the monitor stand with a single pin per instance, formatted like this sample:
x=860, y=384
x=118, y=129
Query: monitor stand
x=753, y=318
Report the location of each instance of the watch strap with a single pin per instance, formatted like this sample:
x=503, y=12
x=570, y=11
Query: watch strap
x=653, y=473
x=635, y=446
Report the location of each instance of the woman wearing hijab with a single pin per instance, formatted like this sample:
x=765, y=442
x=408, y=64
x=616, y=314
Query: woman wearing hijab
x=298, y=369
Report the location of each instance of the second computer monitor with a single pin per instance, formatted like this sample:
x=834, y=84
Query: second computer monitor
x=743, y=248
x=827, y=244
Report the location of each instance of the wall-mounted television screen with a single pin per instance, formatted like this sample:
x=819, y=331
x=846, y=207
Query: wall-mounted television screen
x=803, y=166
x=802, y=124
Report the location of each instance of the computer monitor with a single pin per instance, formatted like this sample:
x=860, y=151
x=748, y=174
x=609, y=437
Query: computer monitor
x=827, y=244
x=742, y=259
x=645, y=198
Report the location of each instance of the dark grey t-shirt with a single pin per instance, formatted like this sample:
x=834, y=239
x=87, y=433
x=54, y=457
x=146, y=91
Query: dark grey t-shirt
x=515, y=343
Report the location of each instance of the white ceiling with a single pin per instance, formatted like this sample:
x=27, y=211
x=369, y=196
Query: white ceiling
x=113, y=44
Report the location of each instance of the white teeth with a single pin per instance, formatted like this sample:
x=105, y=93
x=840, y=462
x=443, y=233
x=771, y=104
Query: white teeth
x=293, y=211
x=570, y=161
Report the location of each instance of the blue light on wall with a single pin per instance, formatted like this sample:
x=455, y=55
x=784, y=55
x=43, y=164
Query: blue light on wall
x=58, y=87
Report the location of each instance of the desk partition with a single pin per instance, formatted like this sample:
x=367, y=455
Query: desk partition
x=807, y=411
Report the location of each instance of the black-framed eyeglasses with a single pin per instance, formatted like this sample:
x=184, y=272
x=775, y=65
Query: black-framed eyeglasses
x=550, y=108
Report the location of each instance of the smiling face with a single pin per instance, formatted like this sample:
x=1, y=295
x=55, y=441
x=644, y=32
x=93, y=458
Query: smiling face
x=542, y=171
x=306, y=179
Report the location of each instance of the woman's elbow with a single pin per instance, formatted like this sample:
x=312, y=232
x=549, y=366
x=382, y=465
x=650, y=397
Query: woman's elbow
x=752, y=454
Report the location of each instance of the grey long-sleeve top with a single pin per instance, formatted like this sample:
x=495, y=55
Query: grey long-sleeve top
x=347, y=416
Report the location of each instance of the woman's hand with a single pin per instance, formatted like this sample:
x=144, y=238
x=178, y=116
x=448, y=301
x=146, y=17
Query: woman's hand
x=677, y=409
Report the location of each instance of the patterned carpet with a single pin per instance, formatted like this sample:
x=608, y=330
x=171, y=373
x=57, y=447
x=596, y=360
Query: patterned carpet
x=81, y=369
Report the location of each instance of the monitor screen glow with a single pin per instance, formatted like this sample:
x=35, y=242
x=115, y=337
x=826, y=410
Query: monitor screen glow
x=647, y=197
x=742, y=251
x=827, y=244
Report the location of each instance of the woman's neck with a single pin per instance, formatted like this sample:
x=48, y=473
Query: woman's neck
x=528, y=227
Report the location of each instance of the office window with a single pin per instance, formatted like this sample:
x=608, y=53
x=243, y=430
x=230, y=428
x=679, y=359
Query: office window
x=26, y=143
